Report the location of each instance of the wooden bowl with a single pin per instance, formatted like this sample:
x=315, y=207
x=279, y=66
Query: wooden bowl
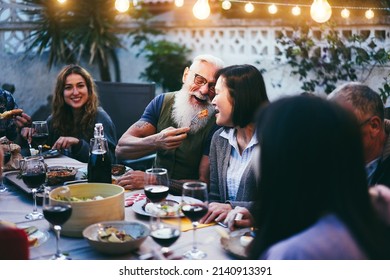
x=84, y=213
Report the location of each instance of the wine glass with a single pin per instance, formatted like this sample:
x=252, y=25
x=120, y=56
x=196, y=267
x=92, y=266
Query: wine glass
x=165, y=230
x=156, y=184
x=57, y=213
x=6, y=158
x=39, y=134
x=194, y=206
x=33, y=170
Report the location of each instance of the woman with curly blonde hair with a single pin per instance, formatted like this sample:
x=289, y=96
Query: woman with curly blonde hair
x=75, y=110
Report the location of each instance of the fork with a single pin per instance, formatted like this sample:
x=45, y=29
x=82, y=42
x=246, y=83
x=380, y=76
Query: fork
x=196, y=118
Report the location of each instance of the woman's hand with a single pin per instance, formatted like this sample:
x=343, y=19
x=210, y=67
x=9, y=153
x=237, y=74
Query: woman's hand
x=132, y=180
x=65, y=142
x=217, y=212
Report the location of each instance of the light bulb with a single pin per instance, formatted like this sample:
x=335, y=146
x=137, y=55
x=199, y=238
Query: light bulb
x=201, y=9
x=320, y=11
x=179, y=3
x=272, y=9
x=249, y=8
x=345, y=13
x=226, y=5
x=296, y=11
x=61, y=1
x=369, y=14
x=122, y=5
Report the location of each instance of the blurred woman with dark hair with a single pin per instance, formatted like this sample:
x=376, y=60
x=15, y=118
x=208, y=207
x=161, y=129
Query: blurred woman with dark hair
x=314, y=201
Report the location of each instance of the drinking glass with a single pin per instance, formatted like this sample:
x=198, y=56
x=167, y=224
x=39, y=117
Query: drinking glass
x=6, y=158
x=39, y=134
x=156, y=184
x=194, y=206
x=33, y=170
x=165, y=230
x=56, y=213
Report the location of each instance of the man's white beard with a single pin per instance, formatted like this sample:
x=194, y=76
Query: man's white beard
x=183, y=111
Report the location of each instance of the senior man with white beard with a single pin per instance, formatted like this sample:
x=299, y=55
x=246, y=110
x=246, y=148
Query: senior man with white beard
x=165, y=129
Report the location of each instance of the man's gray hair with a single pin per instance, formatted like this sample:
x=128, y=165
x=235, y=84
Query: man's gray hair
x=363, y=99
x=209, y=59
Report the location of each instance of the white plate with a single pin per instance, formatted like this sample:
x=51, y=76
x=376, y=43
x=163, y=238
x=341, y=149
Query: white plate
x=138, y=205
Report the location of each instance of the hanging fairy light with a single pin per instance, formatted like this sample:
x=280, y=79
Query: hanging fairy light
x=122, y=5
x=201, y=9
x=345, y=13
x=369, y=14
x=226, y=5
x=296, y=11
x=61, y=1
x=272, y=9
x=249, y=8
x=320, y=11
x=179, y=3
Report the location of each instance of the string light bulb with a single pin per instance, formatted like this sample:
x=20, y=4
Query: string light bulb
x=320, y=11
x=179, y=3
x=369, y=14
x=201, y=9
x=61, y=1
x=122, y=5
x=249, y=8
x=272, y=9
x=226, y=5
x=345, y=13
x=296, y=11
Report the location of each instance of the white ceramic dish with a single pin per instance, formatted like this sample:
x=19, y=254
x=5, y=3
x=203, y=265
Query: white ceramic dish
x=138, y=206
x=137, y=230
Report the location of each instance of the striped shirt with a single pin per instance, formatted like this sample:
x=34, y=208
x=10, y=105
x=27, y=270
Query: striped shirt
x=237, y=162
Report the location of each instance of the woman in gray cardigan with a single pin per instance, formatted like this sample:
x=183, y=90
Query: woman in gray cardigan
x=240, y=92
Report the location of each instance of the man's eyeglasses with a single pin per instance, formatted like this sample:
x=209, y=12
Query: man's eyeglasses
x=201, y=81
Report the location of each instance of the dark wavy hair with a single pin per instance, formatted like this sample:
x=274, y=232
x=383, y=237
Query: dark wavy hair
x=312, y=163
x=247, y=91
x=63, y=119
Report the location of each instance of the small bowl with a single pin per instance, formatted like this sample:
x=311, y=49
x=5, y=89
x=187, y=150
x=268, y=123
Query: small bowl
x=57, y=175
x=137, y=230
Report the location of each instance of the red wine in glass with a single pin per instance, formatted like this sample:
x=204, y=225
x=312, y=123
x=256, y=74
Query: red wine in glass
x=39, y=139
x=156, y=193
x=57, y=214
x=194, y=211
x=34, y=179
x=165, y=237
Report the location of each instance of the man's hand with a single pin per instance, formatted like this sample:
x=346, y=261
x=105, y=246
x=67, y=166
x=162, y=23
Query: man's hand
x=132, y=180
x=171, y=138
x=23, y=120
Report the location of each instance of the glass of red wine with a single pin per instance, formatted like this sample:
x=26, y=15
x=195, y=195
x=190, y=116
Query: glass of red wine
x=39, y=134
x=165, y=230
x=6, y=158
x=33, y=170
x=57, y=213
x=156, y=184
x=194, y=206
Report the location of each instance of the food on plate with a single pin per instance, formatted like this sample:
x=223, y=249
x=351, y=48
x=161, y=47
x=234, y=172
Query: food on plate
x=245, y=240
x=58, y=175
x=167, y=210
x=112, y=234
x=118, y=169
x=11, y=113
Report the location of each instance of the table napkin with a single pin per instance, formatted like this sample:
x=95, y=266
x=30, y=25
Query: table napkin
x=129, y=201
x=186, y=224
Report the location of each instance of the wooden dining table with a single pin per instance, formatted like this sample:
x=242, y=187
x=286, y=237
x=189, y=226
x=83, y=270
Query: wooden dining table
x=15, y=203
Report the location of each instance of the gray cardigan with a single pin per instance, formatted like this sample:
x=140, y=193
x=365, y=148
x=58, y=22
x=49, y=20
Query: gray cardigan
x=220, y=150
